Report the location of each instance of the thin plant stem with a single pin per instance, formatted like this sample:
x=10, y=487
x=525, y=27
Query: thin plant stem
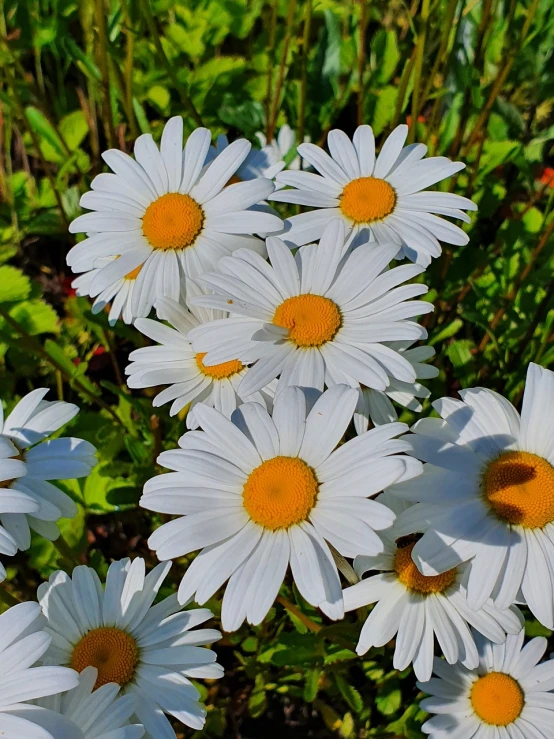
x=103, y=64
x=361, y=59
x=270, y=52
x=304, y=71
x=185, y=99
x=447, y=23
x=7, y=598
x=402, y=87
x=282, y=68
x=66, y=551
x=418, y=68
x=291, y=608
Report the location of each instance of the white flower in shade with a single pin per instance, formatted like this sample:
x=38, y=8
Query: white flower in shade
x=316, y=319
x=487, y=494
x=508, y=696
x=173, y=362
x=377, y=406
x=27, y=463
x=119, y=293
x=149, y=651
x=258, y=493
x=164, y=215
x=264, y=162
x=282, y=145
x=377, y=197
x=91, y=714
x=416, y=609
x=23, y=643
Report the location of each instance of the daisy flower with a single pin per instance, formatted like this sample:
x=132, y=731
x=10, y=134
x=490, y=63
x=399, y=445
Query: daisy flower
x=164, y=215
x=314, y=319
x=381, y=198
x=508, y=696
x=27, y=462
x=264, y=162
x=377, y=406
x=282, y=145
x=89, y=713
x=258, y=493
x=487, y=494
x=119, y=293
x=149, y=651
x=174, y=363
x=23, y=642
x=417, y=609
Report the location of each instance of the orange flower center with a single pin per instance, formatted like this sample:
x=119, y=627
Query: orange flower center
x=173, y=221
x=218, y=371
x=519, y=488
x=280, y=492
x=312, y=320
x=497, y=699
x=367, y=199
x=112, y=651
x=411, y=577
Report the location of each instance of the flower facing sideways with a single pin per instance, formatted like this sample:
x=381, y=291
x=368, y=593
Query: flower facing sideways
x=258, y=492
x=315, y=319
x=418, y=609
x=381, y=198
x=150, y=651
x=164, y=215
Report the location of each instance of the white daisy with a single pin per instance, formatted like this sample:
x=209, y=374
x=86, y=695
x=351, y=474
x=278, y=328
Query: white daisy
x=416, y=608
x=487, y=494
x=166, y=214
x=23, y=642
x=264, y=162
x=120, y=292
x=258, y=493
x=377, y=197
x=314, y=319
x=149, y=651
x=508, y=696
x=27, y=462
x=282, y=145
x=173, y=362
x=377, y=406
x=89, y=713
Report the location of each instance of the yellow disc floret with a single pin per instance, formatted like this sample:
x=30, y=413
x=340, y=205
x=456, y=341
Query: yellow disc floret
x=112, y=651
x=173, y=221
x=411, y=577
x=134, y=273
x=218, y=371
x=367, y=199
x=519, y=488
x=280, y=492
x=312, y=320
x=497, y=699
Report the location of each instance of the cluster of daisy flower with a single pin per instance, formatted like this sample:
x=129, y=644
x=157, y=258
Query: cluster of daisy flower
x=274, y=336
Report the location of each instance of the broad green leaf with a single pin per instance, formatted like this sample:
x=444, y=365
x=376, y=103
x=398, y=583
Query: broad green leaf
x=14, y=285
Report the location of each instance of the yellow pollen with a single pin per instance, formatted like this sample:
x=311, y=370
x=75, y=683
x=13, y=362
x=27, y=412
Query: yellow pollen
x=234, y=179
x=497, y=699
x=312, y=320
x=411, y=577
x=218, y=371
x=367, y=199
x=134, y=273
x=519, y=487
x=173, y=221
x=112, y=651
x=280, y=492
x=5, y=484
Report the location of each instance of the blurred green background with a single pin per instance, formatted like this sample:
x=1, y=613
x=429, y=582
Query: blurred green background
x=473, y=78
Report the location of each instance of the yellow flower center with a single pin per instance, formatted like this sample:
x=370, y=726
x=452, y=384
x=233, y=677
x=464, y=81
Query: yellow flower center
x=519, y=487
x=5, y=484
x=134, y=273
x=411, y=577
x=234, y=179
x=173, y=221
x=497, y=699
x=312, y=320
x=280, y=492
x=218, y=371
x=367, y=199
x=112, y=651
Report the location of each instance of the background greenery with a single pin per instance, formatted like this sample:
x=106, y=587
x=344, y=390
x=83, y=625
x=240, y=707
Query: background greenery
x=475, y=80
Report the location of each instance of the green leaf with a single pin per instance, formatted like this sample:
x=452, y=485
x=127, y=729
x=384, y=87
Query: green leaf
x=36, y=317
x=160, y=97
x=350, y=694
x=14, y=285
x=388, y=699
x=384, y=109
x=73, y=128
x=447, y=332
x=459, y=352
x=50, y=144
x=311, y=686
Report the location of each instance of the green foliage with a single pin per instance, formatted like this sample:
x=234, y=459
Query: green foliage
x=484, y=94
